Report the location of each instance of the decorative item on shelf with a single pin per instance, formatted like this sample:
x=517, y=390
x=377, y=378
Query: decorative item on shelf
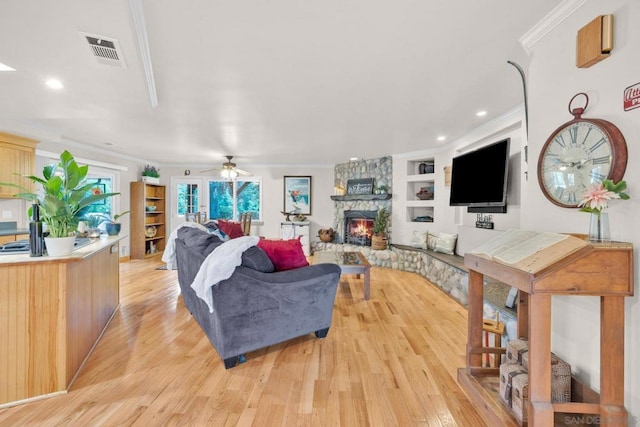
x=425, y=193
x=300, y=217
x=151, y=231
x=65, y=193
x=380, y=223
x=595, y=200
x=326, y=235
x=360, y=186
x=113, y=226
x=150, y=174
x=425, y=167
x=151, y=208
x=381, y=189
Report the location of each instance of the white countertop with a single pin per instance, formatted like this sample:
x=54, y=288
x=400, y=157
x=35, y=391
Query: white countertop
x=77, y=255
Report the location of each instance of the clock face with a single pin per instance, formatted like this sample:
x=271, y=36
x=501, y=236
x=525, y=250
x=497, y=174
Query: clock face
x=575, y=157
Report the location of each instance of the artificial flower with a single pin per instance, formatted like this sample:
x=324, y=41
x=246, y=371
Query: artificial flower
x=597, y=198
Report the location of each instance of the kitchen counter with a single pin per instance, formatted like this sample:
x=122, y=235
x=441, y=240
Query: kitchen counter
x=77, y=255
x=54, y=311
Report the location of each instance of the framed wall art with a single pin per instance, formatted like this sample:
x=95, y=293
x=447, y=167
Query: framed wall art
x=297, y=194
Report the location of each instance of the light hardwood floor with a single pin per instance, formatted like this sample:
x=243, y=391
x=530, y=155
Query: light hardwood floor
x=389, y=361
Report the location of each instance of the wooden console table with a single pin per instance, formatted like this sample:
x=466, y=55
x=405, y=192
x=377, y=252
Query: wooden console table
x=604, y=270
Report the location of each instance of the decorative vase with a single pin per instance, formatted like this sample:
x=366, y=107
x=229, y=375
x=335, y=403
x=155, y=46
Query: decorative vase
x=93, y=233
x=59, y=246
x=599, y=228
x=112, y=228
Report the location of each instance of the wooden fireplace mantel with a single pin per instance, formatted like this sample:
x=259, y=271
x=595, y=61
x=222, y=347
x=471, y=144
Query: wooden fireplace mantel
x=350, y=197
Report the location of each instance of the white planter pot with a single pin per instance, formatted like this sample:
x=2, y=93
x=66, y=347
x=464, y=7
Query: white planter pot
x=59, y=246
x=151, y=180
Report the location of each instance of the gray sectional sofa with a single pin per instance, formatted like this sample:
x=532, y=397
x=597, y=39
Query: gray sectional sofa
x=255, y=307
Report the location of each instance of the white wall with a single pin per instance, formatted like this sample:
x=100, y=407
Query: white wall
x=553, y=80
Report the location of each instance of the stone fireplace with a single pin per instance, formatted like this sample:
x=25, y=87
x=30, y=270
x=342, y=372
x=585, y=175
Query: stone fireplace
x=354, y=214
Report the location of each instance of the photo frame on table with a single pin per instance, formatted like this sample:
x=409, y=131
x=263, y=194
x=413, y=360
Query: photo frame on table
x=297, y=194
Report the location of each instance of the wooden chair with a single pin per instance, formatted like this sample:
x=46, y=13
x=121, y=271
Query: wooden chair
x=496, y=328
x=245, y=222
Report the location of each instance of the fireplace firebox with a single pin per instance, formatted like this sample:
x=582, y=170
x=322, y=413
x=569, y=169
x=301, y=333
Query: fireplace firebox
x=358, y=227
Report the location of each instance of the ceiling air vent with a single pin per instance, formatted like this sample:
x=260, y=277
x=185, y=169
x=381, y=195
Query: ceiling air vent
x=105, y=50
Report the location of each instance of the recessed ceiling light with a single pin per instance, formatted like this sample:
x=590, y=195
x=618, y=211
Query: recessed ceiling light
x=54, y=84
x=481, y=113
x=441, y=138
x=353, y=159
x=6, y=67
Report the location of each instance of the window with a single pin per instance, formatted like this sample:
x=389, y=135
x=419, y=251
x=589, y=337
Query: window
x=187, y=199
x=230, y=199
x=103, y=208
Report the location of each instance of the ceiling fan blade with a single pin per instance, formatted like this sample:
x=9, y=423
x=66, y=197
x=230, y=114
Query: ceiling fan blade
x=210, y=170
x=243, y=172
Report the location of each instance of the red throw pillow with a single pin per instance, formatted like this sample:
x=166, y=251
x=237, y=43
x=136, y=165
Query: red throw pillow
x=284, y=254
x=230, y=228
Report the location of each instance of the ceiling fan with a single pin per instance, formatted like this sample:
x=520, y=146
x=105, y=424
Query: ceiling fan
x=229, y=170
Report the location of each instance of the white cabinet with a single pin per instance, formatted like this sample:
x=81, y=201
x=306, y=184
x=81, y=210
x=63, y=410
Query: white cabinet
x=293, y=230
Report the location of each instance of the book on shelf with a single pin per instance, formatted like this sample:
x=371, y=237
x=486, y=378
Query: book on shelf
x=529, y=250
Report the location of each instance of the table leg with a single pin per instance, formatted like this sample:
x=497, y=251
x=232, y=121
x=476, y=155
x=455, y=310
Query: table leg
x=366, y=282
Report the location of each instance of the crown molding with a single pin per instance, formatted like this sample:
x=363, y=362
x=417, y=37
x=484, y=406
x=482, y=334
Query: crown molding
x=549, y=22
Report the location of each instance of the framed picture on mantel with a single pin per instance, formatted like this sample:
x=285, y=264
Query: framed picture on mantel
x=297, y=194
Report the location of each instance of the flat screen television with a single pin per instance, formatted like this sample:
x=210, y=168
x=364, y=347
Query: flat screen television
x=479, y=178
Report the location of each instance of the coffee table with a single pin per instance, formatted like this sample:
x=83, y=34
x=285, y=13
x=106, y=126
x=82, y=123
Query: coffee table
x=349, y=262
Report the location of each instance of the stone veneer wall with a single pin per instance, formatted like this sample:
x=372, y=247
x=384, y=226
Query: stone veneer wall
x=381, y=170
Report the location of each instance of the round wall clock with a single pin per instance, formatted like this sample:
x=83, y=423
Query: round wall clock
x=578, y=154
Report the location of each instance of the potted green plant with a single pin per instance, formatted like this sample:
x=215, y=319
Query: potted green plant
x=150, y=174
x=65, y=193
x=380, y=223
x=112, y=226
x=92, y=222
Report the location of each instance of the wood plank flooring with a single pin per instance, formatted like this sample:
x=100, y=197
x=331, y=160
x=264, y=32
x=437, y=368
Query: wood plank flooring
x=388, y=361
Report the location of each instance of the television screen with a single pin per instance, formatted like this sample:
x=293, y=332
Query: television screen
x=479, y=178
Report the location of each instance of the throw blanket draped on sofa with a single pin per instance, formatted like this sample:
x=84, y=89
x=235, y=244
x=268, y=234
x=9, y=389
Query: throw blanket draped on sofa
x=220, y=265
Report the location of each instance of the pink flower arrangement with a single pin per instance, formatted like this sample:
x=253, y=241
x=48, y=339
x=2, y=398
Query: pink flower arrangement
x=596, y=198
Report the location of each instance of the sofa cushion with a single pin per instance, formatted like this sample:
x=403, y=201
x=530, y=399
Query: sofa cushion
x=256, y=259
x=232, y=229
x=285, y=254
x=198, y=240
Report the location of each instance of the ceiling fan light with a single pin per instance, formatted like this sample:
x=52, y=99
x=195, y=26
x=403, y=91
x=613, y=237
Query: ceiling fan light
x=228, y=173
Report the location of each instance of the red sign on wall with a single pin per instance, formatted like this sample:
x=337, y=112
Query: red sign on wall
x=632, y=97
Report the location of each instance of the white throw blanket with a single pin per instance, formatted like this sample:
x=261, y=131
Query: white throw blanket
x=219, y=265
x=169, y=254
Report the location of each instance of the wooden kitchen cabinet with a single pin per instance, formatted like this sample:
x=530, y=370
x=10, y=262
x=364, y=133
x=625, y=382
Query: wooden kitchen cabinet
x=17, y=156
